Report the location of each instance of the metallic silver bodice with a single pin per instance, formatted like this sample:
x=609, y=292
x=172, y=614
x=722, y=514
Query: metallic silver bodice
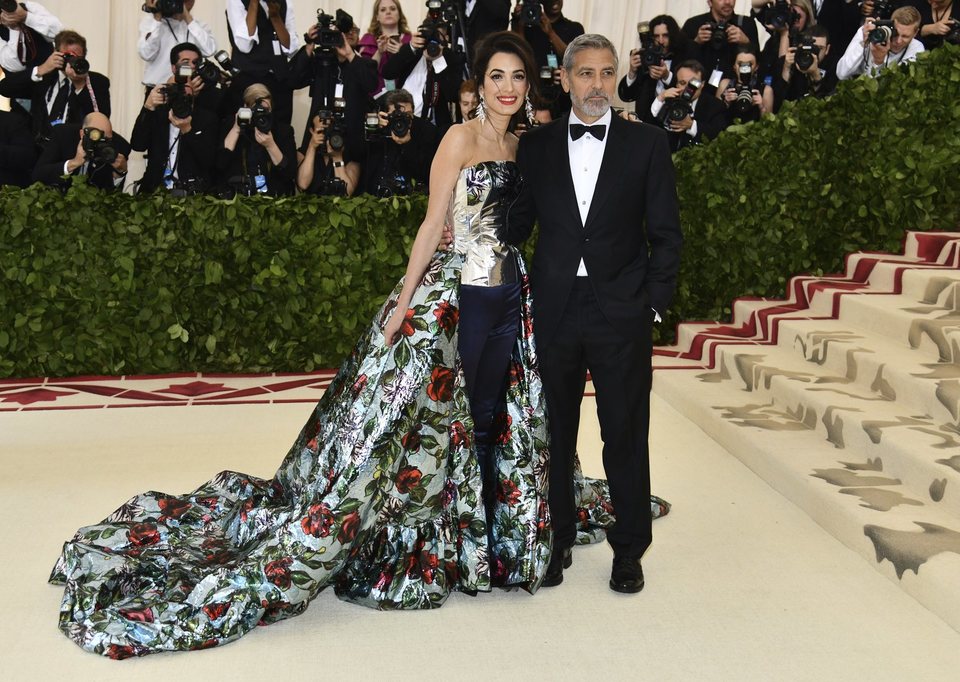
x=478, y=215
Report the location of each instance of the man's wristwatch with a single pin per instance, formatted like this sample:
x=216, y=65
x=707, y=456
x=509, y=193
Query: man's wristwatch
x=339, y=164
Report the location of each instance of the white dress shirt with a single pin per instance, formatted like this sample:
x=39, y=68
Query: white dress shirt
x=586, y=156
x=40, y=20
x=237, y=18
x=157, y=38
x=857, y=60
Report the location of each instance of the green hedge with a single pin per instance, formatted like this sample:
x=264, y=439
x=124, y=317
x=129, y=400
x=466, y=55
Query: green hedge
x=108, y=284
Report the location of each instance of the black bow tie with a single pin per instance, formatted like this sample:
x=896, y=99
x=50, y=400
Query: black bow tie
x=578, y=129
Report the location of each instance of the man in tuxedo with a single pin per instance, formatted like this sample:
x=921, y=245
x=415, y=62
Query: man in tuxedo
x=605, y=267
x=64, y=154
x=62, y=89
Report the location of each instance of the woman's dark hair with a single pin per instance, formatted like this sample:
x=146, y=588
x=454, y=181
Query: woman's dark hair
x=510, y=43
x=679, y=43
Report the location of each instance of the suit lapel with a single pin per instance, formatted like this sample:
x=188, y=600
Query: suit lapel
x=611, y=169
x=559, y=159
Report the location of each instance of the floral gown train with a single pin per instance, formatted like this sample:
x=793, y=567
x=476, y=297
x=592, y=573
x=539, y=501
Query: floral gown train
x=379, y=496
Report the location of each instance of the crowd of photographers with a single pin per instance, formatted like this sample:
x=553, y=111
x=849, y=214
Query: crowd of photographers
x=219, y=122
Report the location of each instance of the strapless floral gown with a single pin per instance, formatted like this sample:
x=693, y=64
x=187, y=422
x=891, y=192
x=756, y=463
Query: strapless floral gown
x=379, y=496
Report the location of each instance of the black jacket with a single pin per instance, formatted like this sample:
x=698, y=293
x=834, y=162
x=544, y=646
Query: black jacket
x=17, y=151
x=448, y=81
x=248, y=159
x=62, y=147
x=21, y=85
x=631, y=240
x=196, y=151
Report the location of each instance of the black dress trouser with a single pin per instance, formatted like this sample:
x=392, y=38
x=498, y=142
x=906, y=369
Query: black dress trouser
x=621, y=371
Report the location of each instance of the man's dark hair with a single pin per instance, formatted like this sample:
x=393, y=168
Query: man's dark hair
x=397, y=97
x=745, y=49
x=693, y=65
x=510, y=43
x=68, y=37
x=679, y=43
x=817, y=31
x=182, y=47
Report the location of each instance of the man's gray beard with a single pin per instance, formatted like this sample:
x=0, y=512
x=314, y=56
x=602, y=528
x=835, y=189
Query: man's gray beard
x=591, y=109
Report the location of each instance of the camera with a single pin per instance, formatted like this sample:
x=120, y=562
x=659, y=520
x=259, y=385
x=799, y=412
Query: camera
x=953, y=36
x=430, y=31
x=651, y=54
x=333, y=187
x=679, y=107
x=531, y=13
x=189, y=187
x=744, y=87
x=258, y=116
x=336, y=129
x=882, y=32
x=778, y=15
x=165, y=8
x=332, y=28
x=393, y=184
x=81, y=66
x=223, y=60
x=210, y=73
x=178, y=96
x=882, y=9
x=9, y=5
x=97, y=148
x=806, y=54
x=718, y=34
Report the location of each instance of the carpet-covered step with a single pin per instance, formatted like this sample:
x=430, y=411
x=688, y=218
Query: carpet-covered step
x=851, y=492
x=843, y=414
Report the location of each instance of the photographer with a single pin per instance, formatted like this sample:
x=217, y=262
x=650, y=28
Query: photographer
x=783, y=20
x=742, y=95
x=431, y=72
x=258, y=154
x=401, y=151
x=163, y=28
x=263, y=35
x=688, y=117
x=17, y=151
x=662, y=44
x=326, y=167
x=62, y=89
x=339, y=78
x=881, y=44
x=717, y=34
x=548, y=32
x=483, y=17
x=90, y=149
x=804, y=76
x=180, y=138
x=27, y=30
x=940, y=22
x=841, y=18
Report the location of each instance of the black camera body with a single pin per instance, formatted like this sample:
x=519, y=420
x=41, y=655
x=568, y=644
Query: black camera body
x=653, y=56
x=531, y=13
x=744, y=86
x=882, y=32
x=165, y=8
x=258, y=116
x=189, y=187
x=807, y=52
x=332, y=27
x=953, y=36
x=718, y=34
x=80, y=65
x=430, y=31
x=210, y=73
x=336, y=128
x=679, y=107
x=97, y=149
x=333, y=187
x=778, y=15
x=393, y=184
x=882, y=9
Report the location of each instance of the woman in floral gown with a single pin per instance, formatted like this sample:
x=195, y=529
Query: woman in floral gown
x=421, y=471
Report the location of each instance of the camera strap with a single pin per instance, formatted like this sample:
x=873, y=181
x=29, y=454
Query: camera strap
x=93, y=97
x=173, y=159
x=186, y=34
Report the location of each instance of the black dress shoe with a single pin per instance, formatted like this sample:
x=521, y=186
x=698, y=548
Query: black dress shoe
x=560, y=560
x=627, y=575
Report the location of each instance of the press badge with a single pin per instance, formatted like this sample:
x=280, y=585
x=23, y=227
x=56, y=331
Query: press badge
x=276, y=48
x=338, y=91
x=260, y=181
x=715, y=78
x=439, y=64
x=168, y=178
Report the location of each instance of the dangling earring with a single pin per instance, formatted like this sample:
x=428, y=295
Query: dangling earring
x=529, y=107
x=482, y=110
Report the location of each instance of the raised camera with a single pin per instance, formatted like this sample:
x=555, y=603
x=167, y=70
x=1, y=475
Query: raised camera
x=97, y=149
x=165, y=8
x=80, y=65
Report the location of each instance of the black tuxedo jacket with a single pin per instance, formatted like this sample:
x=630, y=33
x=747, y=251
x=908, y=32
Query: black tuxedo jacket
x=631, y=241
x=62, y=147
x=196, y=153
x=21, y=85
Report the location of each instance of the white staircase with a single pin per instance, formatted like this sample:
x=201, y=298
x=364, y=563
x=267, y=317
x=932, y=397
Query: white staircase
x=845, y=398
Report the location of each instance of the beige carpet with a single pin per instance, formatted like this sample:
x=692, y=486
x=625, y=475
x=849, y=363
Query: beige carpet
x=740, y=583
